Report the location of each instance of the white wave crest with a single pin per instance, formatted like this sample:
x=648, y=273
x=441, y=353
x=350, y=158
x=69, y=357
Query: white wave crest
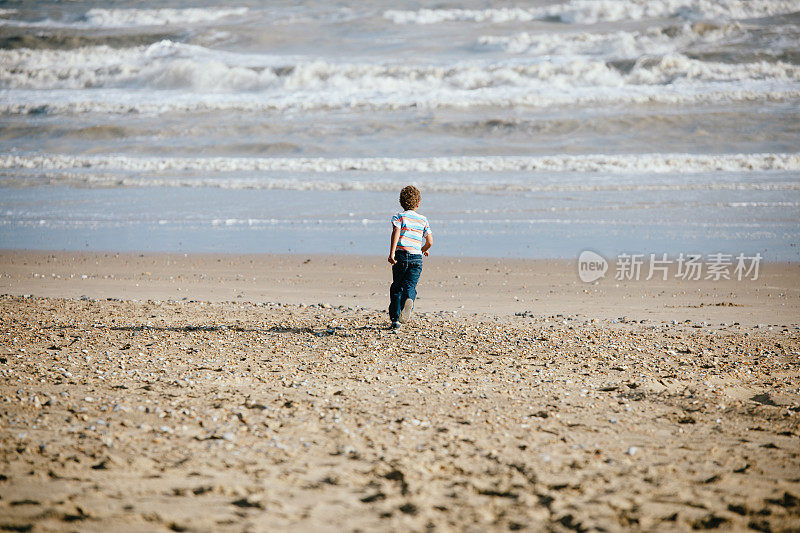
x=168, y=65
x=131, y=18
x=437, y=16
x=679, y=68
x=148, y=104
x=626, y=163
x=436, y=182
x=162, y=65
x=620, y=44
x=121, y=18
x=594, y=11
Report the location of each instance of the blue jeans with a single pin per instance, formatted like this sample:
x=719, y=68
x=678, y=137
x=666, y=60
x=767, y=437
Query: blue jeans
x=405, y=275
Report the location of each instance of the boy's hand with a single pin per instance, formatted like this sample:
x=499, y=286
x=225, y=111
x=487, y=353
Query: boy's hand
x=425, y=253
x=391, y=260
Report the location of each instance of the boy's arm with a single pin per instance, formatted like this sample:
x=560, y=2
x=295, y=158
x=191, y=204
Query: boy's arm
x=393, y=244
x=428, y=243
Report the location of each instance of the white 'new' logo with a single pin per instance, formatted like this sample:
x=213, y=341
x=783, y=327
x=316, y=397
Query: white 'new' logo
x=591, y=266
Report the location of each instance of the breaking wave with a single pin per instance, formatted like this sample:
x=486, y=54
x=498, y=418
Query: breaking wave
x=129, y=18
x=619, y=44
x=145, y=103
x=165, y=64
x=120, y=18
x=601, y=164
x=594, y=11
x=208, y=79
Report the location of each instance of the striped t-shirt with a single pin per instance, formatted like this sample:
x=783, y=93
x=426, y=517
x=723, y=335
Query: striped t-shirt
x=413, y=230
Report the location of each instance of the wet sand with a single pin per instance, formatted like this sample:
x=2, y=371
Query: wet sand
x=632, y=407
x=463, y=286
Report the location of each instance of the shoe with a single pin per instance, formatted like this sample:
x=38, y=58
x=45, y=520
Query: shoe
x=395, y=324
x=405, y=314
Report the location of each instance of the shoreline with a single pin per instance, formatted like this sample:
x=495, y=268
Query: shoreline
x=459, y=286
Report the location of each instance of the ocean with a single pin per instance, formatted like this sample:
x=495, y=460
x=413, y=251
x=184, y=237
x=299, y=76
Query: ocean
x=533, y=129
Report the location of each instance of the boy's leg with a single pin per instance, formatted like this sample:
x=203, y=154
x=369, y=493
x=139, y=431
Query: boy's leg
x=409, y=292
x=396, y=291
x=411, y=279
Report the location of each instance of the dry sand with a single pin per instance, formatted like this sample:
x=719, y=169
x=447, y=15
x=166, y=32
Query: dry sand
x=133, y=409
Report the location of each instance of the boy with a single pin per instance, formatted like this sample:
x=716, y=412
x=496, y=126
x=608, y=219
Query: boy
x=411, y=239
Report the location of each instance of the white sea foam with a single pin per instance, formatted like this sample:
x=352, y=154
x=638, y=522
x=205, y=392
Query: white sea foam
x=760, y=204
x=674, y=68
x=151, y=104
x=615, y=45
x=165, y=64
x=437, y=16
x=622, y=164
x=499, y=225
x=437, y=182
x=119, y=18
x=291, y=83
x=129, y=18
x=593, y=11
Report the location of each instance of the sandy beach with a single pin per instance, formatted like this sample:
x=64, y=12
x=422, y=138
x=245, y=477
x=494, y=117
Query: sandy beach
x=163, y=392
x=209, y=350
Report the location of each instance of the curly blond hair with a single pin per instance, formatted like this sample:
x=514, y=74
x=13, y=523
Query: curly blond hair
x=410, y=197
